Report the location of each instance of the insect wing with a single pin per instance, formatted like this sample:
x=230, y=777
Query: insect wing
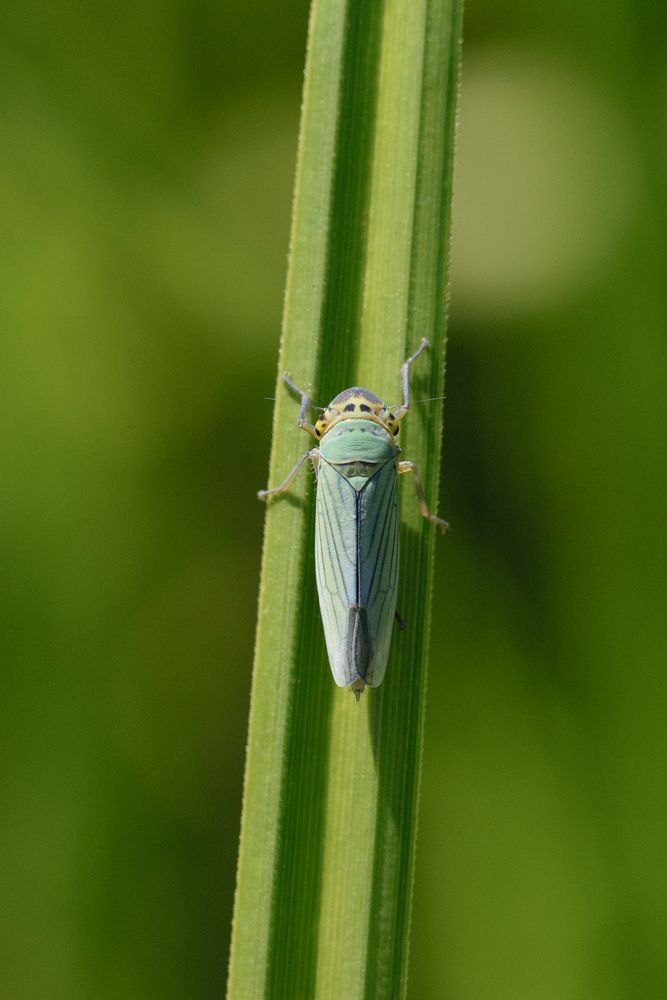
x=336, y=562
x=378, y=563
x=356, y=559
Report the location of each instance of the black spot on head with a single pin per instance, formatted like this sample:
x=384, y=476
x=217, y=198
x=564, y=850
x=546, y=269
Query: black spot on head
x=319, y=433
x=364, y=408
x=349, y=408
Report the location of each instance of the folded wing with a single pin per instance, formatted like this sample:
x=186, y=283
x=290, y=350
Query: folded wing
x=356, y=559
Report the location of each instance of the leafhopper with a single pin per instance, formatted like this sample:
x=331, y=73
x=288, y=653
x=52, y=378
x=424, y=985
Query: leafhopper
x=357, y=466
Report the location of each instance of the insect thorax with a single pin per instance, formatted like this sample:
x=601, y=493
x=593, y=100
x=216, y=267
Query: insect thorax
x=358, y=472
x=360, y=443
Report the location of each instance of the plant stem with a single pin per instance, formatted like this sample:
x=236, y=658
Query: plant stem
x=331, y=791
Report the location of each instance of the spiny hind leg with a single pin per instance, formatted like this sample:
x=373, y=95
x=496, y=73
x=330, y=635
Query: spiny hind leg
x=313, y=455
x=405, y=379
x=419, y=487
x=304, y=424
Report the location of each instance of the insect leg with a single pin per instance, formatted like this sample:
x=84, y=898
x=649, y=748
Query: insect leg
x=405, y=379
x=313, y=455
x=305, y=406
x=419, y=487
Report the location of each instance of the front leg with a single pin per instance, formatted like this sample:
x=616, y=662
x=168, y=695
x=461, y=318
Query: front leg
x=304, y=424
x=313, y=455
x=405, y=379
x=419, y=487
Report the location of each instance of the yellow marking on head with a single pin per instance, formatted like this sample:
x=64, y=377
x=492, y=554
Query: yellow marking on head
x=356, y=404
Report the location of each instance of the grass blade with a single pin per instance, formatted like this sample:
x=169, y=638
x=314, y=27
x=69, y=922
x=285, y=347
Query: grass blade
x=328, y=832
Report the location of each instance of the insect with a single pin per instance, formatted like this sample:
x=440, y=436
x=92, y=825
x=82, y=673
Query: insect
x=357, y=526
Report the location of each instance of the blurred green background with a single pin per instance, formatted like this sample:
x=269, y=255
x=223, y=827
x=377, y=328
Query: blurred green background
x=147, y=163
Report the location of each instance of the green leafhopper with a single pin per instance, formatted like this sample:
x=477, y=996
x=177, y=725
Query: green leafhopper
x=357, y=526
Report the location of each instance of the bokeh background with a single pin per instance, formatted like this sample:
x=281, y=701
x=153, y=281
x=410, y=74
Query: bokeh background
x=146, y=170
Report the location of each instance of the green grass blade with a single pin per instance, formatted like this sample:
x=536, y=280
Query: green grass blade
x=328, y=833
